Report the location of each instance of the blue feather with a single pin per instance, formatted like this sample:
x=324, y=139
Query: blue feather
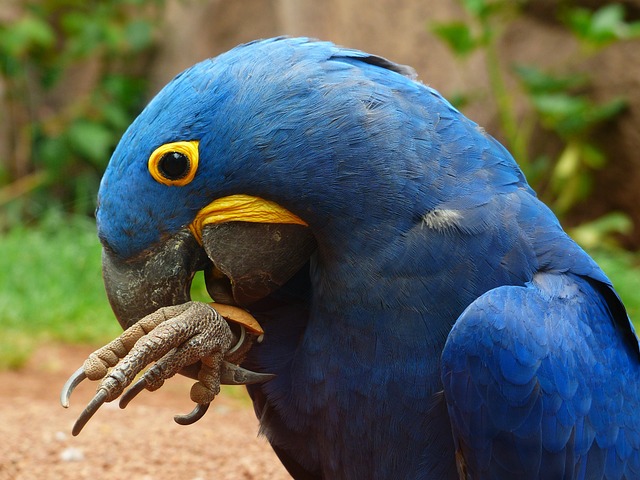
x=437, y=270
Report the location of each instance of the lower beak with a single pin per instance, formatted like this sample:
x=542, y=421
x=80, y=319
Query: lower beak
x=252, y=260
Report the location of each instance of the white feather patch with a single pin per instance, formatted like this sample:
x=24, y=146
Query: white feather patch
x=442, y=219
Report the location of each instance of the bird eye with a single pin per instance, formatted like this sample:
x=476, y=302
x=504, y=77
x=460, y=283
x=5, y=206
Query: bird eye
x=174, y=163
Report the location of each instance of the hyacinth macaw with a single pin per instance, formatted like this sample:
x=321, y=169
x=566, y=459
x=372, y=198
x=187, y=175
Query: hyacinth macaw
x=420, y=313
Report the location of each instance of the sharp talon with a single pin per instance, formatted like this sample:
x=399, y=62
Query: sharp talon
x=93, y=406
x=196, y=414
x=70, y=385
x=231, y=374
x=132, y=393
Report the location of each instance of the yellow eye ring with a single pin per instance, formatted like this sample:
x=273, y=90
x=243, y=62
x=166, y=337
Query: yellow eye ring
x=174, y=163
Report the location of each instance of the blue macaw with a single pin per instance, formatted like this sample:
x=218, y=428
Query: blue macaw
x=420, y=313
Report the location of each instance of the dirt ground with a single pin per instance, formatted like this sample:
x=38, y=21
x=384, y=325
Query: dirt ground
x=140, y=442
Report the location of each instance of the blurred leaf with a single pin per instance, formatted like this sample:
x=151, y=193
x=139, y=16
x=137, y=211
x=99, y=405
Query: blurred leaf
x=29, y=32
x=459, y=99
x=482, y=9
x=477, y=8
x=139, y=34
x=593, y=157
x=53, y=154
x=72, y=22
x=609, y=18
x=113, y=37
x=592, y=115
x=572, y=115
x=556, y=108
x=458, y=36
x=570, y=179
x=116, y=116
x=568, y=164
x=602, y=231
x=559, y=105
x=603, y=26
x=127, y=91
x=91, y=140
x=608, y=24
x=538, y=81
x=86, y=184
x=607, y=111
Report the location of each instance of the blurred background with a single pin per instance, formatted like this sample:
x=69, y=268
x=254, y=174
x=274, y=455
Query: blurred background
x=558, y=82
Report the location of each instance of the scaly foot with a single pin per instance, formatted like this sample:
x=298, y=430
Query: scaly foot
x=172, y=337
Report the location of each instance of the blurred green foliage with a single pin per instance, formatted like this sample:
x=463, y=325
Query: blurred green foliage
x=51, y=287
x=602, y=27
x=57, y=144
x=559, y=102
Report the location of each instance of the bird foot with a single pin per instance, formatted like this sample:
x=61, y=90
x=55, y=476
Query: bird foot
x=173, y=337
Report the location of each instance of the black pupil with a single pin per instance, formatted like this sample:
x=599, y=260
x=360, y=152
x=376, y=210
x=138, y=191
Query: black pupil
x=174, y=165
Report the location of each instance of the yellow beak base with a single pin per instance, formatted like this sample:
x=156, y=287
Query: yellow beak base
x=242, y=208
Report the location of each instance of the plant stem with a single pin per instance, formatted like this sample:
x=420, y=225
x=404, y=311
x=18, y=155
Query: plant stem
x=504, y=103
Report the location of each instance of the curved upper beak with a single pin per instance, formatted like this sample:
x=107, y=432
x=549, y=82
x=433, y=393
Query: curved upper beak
x=157, y=278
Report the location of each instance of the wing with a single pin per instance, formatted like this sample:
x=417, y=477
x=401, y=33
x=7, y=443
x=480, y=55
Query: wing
x=536, y=380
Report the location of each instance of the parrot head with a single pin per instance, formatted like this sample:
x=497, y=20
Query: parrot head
x=192, y=186
x=280, y=152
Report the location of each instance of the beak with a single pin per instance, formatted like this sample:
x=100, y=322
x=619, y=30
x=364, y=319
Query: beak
x=244, y=261
x=158, y=278
x=252, y=260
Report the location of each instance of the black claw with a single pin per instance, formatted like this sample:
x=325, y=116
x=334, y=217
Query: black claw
x=196, y=414
x=132, y=393
x=93, y=406
x=231, y=374
x=70, y=385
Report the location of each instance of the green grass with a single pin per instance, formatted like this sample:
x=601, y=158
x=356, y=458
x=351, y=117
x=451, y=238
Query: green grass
x=51, y=287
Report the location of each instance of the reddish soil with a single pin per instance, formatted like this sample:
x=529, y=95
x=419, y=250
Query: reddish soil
x=140, y=442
